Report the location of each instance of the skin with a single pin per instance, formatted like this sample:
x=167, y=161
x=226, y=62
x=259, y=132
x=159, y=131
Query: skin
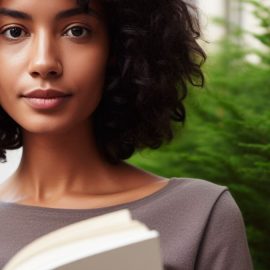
x=61, y=166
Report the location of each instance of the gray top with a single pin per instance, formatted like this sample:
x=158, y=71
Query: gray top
x=200, y=225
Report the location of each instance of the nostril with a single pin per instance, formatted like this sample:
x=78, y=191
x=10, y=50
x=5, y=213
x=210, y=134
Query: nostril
x=35, y=74
x=46, y=69
x=47, y=74
x=53, y=73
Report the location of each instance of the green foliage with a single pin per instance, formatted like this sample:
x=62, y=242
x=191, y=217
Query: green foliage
x=226, y=138
x=261, y=12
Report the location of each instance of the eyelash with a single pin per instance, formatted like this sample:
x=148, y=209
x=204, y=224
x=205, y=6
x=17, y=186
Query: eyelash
x=88, y=31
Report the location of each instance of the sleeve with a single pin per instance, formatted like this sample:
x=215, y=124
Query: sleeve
x=224, y=244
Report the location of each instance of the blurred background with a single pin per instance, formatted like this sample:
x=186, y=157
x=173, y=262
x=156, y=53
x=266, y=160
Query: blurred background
x=226, y=138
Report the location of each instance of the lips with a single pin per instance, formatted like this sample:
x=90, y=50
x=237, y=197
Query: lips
x=45, y=94
x=46, y=99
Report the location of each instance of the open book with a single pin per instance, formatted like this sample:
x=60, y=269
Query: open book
x=111, y=241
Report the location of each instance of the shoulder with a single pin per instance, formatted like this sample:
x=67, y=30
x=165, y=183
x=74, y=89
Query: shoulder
x=214, y=200
x=189, y=200
x=224, y=239
x=200, y=193
x=201, y=198
x=209, y=204
x=196, y=182
x=203, y=189
x=185, y=197
x=201, y=220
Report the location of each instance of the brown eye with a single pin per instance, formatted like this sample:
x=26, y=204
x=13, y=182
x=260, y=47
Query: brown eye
x=13, y=32
x=78, y=31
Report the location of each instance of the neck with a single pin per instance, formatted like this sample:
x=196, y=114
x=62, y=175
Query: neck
x=59, y=164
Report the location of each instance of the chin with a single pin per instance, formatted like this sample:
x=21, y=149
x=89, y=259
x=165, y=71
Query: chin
x=45, y=130
x=46, y=126
x=55, y=125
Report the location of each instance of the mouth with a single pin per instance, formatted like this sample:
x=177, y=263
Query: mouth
x=45, y=94
x=46, y=99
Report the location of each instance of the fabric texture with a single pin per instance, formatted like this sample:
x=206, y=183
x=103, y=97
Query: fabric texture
x=200, y=225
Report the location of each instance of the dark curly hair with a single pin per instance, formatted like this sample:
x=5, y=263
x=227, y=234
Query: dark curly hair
x=155, y=54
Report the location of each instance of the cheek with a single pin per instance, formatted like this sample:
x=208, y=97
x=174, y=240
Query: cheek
x=11, y=70
x=88, y=75
x=5, y=72
x=6, y=97
x=89, y=63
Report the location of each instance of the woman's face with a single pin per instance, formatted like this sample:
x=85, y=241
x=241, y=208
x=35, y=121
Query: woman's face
x=44, y=45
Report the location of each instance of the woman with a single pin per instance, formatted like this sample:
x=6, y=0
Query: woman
x=83, y=84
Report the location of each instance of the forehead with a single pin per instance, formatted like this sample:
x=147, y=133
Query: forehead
x=31, y=9
x=38, y=3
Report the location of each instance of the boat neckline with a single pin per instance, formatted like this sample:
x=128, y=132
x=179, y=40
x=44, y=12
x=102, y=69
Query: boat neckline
x=132, y=204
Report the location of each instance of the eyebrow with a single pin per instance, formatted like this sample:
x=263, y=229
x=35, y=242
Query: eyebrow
x=61, y=15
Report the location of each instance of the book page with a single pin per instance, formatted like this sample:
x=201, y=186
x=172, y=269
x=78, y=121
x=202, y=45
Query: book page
x=81, y=250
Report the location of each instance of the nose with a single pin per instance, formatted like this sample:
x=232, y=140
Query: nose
x=44, y=60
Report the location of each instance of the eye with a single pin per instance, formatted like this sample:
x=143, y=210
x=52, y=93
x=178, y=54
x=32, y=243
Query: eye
x=13, y=32
x=78, y=31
